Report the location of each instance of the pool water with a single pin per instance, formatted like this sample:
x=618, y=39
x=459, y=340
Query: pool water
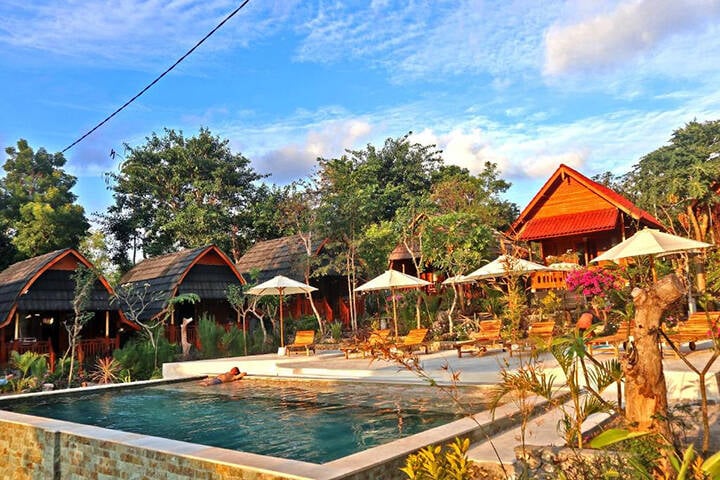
x=314, y=422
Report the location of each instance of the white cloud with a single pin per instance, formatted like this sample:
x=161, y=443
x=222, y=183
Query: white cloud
x=133, y=32
x=631, y=29
x=289, y=150
x=424, y=40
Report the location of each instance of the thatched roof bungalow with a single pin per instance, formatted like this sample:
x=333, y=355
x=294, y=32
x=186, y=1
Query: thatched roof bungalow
x=288, y=256
x=205, y=271
x=36, y=297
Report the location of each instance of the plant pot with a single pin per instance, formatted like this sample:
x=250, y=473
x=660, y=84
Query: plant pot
x=282, y=351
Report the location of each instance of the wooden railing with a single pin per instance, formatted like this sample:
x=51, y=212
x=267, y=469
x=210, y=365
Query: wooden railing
x=22, y=345
x=91, y=349
x=548, y=280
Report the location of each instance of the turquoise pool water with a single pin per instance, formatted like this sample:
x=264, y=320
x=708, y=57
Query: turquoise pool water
x=303, y=421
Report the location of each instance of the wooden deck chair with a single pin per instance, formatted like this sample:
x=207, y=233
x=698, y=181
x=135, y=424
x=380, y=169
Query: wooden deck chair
x=696, y=328
x=374, y=341
x=304, y=340
x=540, y=334
x=414, y=340
x=488, y=335
x=615, y=340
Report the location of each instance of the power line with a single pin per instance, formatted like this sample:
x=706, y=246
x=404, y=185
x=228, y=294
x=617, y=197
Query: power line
x=232, y=14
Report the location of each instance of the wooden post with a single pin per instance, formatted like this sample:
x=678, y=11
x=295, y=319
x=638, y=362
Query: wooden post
x=17, y=326
x=107, y=323
x=646, y=407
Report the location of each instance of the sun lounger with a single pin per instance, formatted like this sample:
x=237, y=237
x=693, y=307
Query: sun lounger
x=374, y=342
x=615, y=340
x=488, y=335
x=414, y=340
x=540, y=334
x=696, y=328
x=304, y=340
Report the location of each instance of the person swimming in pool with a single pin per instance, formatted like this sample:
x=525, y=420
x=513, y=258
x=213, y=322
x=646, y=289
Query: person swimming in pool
x=231, y=376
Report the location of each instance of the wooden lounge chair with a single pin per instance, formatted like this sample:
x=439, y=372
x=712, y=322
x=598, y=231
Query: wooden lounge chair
x=615, y=340
x=304, y=340
x=696, y=328
x=488, y=335
x=414, y=340
x=541, y=334
x=375, y=340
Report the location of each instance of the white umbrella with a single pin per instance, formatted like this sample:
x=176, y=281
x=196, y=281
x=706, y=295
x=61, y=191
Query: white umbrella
x=456, y=279
x=649, y=241
x=392, y=280
x=505, y=265
x=281, y=286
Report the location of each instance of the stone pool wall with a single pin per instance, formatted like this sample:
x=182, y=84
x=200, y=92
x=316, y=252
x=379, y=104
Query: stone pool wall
x=38, y=448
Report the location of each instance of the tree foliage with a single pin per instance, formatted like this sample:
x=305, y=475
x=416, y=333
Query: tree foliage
x=39, y=213
x=676, y=182
x=175, y=192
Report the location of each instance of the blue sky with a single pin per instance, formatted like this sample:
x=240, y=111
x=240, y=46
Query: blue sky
x=525, y=84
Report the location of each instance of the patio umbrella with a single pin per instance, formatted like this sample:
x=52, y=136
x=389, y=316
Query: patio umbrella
x=651, y=242
x=504, y=265
x=392, y=280
x=281, y=285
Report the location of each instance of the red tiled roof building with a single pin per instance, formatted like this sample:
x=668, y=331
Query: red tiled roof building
x=572, y=213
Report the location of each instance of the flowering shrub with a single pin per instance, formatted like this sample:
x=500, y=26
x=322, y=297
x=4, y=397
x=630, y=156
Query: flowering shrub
x=592, y=282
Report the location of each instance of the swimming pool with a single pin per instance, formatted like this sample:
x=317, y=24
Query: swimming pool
x=310, y=421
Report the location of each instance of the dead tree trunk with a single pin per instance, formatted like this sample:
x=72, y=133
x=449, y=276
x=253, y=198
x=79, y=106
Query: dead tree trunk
x=646, y=406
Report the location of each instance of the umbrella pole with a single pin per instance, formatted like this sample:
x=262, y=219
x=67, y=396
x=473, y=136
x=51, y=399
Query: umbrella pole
x=282, y=330
x=392, y=294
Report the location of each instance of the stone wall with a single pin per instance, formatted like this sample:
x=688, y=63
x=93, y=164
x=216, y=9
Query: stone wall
x=42, y=449
x=545, y=463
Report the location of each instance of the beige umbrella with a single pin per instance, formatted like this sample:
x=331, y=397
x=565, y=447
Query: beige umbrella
x=505, y=265
x=651, y=242
x=281, y=285
x=392, y=280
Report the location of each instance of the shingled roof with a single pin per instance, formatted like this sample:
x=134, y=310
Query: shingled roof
x=45, y=283
x=205, y=271
x=280, y=256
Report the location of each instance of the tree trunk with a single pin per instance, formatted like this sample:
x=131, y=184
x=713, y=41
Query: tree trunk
x=646, y=407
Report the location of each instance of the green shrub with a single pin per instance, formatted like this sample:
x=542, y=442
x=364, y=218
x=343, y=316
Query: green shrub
x=210, y=335
x=336, y=331
x=232, y=342
x=440, y=463
x=137, y=358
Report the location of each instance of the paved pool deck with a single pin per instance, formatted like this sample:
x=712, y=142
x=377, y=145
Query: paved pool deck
x=446, y=368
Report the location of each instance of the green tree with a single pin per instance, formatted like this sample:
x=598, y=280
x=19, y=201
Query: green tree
x=174, y=192
x=676, y=182
x=39, y=213
x=365, y=187
x=85, y=280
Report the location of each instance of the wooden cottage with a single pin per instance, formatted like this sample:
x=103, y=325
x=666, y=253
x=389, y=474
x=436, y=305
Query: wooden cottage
x=36, y=298
x=288, y=256
x=575, y=219
x=205, y=271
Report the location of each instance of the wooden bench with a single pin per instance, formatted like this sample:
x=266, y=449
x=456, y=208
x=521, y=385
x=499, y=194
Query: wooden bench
x=488, y=335
x=696, y=328
x=615, y=340
x=414, y=340
x=375, y=340
x=304, y=340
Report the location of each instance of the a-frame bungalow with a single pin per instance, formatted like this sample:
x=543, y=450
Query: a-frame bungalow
x=36, y=297
x=205, y=271
x=575, y=219
x=287, y=256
